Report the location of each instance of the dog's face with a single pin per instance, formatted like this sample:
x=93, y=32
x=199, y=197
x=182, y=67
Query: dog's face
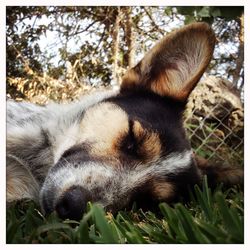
x=132, y=146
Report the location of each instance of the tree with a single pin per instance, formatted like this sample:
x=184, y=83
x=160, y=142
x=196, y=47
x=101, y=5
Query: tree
x=93, y=46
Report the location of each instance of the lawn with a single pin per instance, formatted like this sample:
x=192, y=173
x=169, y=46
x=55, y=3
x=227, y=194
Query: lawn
x=209, y=217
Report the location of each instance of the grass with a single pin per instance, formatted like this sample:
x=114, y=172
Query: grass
x=209, y=217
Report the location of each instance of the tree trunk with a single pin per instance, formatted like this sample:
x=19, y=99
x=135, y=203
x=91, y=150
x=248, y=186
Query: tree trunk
x=129, y=36
x=115, y=49
x=240, y=59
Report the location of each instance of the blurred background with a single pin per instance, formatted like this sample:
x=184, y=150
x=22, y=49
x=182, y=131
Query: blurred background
x=60, y=53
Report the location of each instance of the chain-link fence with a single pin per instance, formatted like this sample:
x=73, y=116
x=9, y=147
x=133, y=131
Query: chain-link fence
x=214, y=121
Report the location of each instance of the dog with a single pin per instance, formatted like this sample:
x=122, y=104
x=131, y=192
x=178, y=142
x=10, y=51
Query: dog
x=116, y=147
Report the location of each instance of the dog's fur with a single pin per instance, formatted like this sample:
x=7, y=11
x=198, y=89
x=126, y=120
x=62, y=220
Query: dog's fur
x=119, y=146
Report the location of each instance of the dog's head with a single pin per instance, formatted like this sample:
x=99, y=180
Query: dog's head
x=132, y=146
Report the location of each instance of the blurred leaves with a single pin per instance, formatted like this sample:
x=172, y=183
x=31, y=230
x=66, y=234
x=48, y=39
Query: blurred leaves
x=209, y=13
x=79, y=44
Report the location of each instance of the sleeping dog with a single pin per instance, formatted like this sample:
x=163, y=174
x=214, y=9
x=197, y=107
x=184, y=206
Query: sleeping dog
x=115, y=147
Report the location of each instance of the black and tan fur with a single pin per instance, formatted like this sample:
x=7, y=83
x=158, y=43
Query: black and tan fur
x=116, y=147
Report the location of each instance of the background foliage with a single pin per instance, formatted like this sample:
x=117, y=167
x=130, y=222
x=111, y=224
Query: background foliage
x=59, y=52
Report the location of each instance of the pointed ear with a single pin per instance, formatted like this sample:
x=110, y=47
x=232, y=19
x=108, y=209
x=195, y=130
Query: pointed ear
x=175, y=64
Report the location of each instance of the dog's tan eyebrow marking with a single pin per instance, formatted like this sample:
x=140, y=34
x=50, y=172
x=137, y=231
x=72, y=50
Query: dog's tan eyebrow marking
x=102, y=125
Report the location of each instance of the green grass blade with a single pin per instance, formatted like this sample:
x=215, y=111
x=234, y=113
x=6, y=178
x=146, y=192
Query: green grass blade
x=52, y=226
x=106, y=232
x=83, y=229
x=175, y=231
x=191, y=230
x=232, y=224
x=204, y=200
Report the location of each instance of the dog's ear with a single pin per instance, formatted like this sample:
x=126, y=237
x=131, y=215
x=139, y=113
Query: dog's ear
x=175, y=64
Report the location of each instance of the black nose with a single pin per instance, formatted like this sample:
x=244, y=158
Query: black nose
x=73, y=203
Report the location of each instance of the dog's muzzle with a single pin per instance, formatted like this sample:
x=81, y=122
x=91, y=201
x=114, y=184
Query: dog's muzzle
x=73, y=203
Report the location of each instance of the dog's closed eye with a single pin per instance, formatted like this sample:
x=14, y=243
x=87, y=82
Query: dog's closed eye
x=130, y=142
x=139, y=143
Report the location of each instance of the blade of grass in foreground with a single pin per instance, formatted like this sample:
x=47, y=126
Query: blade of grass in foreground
x=106, y=233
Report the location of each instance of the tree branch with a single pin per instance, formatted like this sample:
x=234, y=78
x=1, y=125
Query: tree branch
x=153, y=22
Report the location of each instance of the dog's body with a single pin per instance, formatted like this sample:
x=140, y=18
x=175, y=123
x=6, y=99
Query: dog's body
x=115, y=147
